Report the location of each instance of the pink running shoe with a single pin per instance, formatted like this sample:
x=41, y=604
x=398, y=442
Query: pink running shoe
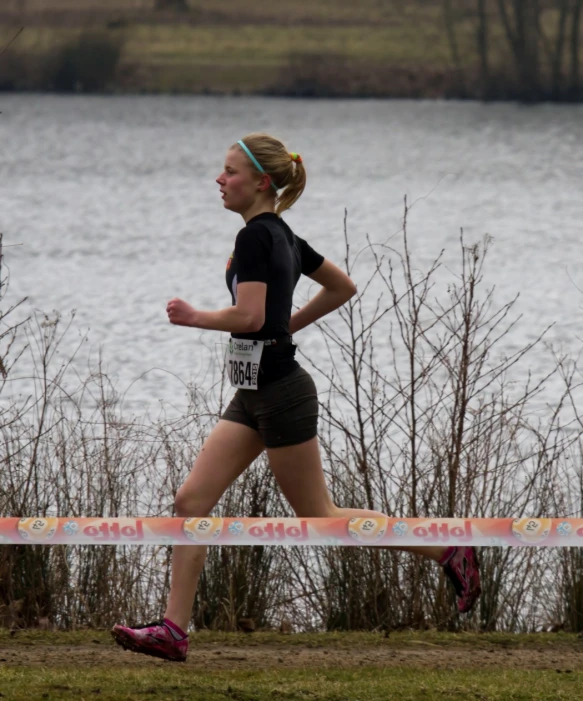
x=461, y=566
x=159, y=639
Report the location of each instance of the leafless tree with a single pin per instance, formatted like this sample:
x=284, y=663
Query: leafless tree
x=538, y=48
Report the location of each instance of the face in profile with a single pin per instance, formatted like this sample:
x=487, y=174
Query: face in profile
x=238, y=182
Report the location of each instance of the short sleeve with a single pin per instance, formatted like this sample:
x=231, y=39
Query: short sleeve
x=253, y=247
x=311, y=259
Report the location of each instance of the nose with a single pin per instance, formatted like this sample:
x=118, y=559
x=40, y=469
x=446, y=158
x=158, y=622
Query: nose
x=221, y=179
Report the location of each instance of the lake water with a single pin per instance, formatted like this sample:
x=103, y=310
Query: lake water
x=109, y=206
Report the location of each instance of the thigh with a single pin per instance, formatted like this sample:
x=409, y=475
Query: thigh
x=299, y=473
x=239, y=411
x=230, y=448
x=286, y=411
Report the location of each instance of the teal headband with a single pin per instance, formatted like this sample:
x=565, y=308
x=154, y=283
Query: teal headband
x=256, y=163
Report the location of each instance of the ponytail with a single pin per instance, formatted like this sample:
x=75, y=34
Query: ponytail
x=286, y=170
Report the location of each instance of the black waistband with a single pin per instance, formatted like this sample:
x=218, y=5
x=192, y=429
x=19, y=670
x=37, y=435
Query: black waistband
x=268, y=342
x=281, y=341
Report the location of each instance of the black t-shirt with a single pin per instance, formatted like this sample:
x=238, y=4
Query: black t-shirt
x=267, y=250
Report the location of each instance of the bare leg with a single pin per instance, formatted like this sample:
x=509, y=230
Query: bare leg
x=298, y=471
x=226, y=453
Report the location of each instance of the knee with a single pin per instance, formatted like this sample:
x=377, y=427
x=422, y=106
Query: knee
x=334, y=511
x=187, y=504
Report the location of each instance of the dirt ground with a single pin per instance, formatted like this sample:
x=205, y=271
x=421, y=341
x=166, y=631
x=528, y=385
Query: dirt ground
x=217, y=656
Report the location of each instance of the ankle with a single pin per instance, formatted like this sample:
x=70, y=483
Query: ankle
x=446, y=555
x=178, y=631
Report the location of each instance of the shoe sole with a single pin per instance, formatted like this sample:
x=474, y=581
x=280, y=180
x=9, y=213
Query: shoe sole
x=128, y=643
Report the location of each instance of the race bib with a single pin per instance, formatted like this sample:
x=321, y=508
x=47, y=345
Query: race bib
x=243, y=358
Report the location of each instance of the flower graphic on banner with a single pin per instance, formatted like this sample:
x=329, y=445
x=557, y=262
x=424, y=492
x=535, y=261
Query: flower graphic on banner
x=564, y=528
x=70, y=527
x=400, y=528
x=236, y=528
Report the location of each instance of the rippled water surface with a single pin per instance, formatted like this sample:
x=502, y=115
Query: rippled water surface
x=115, y=207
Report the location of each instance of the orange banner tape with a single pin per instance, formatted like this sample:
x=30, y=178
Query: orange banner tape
x=52, y=530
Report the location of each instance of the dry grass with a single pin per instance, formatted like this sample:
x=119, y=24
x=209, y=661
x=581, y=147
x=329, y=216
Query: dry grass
x=250, y=44
x=248, y=58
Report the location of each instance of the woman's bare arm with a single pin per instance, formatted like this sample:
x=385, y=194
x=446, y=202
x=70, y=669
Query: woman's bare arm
x=337, y=289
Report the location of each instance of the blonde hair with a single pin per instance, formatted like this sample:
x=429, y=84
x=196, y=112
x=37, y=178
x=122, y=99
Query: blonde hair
x=287, y=174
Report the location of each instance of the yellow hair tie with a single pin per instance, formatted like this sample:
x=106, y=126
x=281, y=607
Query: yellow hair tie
x=296, y=157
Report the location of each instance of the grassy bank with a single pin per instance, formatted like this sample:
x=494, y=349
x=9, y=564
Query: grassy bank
x=413, y=684
x=407, y=666
x=255, y=59
x=398, y=49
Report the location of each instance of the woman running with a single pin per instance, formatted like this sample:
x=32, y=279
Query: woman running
x=275, y=406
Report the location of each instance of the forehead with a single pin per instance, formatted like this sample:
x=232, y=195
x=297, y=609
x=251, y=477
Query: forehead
x=236, y=158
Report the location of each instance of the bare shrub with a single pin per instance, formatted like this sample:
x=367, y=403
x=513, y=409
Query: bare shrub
x=420, y=418
x=88, y=64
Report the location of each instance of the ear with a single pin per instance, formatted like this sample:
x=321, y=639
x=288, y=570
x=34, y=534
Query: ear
x=264, y=183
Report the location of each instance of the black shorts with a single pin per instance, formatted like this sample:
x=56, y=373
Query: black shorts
x=283, y=412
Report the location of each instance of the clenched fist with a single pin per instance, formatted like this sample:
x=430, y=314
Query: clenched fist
x=181, y=313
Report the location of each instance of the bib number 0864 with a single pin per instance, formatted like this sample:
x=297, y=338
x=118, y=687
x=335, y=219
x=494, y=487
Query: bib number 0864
x=240, y=372
x=243, y=359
